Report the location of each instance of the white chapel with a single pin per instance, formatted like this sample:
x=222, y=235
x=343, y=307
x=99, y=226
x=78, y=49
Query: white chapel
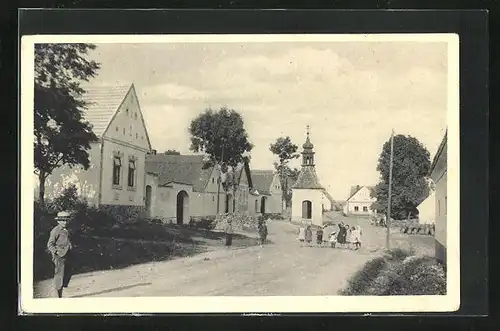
x=307, y=193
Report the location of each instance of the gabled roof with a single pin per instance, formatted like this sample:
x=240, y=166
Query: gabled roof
x=185, y=169
x=307, y=179
x=439, y=152
x=103, y=102
x=246, y=169
x=262, y=180
x=328, y=196
x=356, y=189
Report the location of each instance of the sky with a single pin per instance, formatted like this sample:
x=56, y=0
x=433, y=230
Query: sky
x=351, y=94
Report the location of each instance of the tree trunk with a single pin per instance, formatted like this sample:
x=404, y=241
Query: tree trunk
x=41, y=191
x=284, y=194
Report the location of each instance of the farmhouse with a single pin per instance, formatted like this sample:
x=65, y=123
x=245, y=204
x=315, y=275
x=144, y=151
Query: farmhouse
x=266, y=196
x=184, y=187
x=359, y=201
x=116, y=175
x=438, y=173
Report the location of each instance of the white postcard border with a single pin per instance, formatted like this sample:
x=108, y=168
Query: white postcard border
x=285, y=304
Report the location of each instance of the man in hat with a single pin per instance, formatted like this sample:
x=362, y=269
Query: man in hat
x=59, y=246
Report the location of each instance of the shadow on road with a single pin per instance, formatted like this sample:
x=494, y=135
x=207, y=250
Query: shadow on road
x=116, y=289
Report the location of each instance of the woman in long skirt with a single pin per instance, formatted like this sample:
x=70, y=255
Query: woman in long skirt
x=341, y=234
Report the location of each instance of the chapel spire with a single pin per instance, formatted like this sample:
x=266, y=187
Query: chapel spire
x=308, y=152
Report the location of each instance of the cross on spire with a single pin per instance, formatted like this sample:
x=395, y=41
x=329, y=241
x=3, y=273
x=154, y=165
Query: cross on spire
x=307, y=129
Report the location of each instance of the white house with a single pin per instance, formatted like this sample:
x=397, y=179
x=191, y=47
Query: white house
x=438, y=173
x=427, y=208
x=359, y=201
x=116, y=176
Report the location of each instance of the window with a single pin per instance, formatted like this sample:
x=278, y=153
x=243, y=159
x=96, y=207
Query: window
x=439, y=208
x=135, y=115
x=365, y=208
x=136, y=135
x=117, y=164
x=213, y=180
x=213, y=198
x=127, y=111
x=123, y=130
x=131, y=130
x=131, y=173
x=356, y=208
x=256, y=206
x=116, y=129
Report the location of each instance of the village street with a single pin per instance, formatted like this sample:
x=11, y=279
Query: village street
x=279, y=268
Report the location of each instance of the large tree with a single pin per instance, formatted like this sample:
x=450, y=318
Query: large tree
x=411, y=163
x=61, y=136
x=286, y=151
x=222, y=136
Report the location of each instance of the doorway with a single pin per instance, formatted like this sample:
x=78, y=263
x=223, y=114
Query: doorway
x=147, y=201
x=307, y=209
x=263, y=205
x=182, y=207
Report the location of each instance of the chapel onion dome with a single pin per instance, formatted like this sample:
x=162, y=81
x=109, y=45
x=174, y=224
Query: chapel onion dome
x=308, y=144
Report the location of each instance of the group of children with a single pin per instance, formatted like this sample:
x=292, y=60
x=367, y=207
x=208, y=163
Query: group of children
x=349, y=236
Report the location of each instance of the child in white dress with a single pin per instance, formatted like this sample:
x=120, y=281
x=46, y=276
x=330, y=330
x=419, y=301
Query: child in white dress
x=333, y=239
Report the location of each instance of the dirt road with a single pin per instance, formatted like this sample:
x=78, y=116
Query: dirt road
x=279, y=268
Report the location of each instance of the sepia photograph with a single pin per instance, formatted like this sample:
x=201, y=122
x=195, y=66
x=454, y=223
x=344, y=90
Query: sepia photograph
x=240, y=173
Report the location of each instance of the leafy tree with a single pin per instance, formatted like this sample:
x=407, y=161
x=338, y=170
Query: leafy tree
x=291, y=175
x=172, y=152
x=61, y=136
x=222, y=136
x=411, y=164
x=286, y=151
x=68, y=200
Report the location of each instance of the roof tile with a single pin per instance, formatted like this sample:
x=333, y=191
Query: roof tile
x=103, y=102
x=185, y=169
x=262, y=180
x=307, y=179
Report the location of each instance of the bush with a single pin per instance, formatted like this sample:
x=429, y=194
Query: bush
x=362, y=279
x=399, y=273
x=207, y=223
x=399, y=254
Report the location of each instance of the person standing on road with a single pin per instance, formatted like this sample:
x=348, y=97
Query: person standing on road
x=356, y=237
x=309, y=235
x=262, y=228
x=302, y=233
x=319, y=236
x=349, y=236
x=229, y=233
x=59, y=245
x=327, y=231
x=342, y=234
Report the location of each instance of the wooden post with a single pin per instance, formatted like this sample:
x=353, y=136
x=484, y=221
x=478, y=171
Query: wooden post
x=219, y=180
x=388, y=222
